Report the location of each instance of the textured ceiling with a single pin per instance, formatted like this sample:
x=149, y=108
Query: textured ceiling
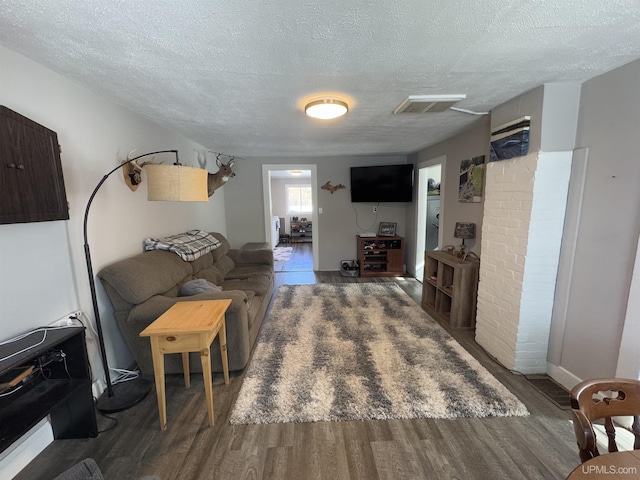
x=233, y=75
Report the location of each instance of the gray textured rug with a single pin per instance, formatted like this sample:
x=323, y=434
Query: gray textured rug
x=361, y=351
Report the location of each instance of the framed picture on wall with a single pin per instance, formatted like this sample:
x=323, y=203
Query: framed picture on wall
x=471, y=180
x=387, y=229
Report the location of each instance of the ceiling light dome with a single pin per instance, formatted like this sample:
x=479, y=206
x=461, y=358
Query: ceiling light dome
x=326, y=108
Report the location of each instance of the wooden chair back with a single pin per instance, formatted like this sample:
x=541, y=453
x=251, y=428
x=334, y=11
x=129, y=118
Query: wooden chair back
x=598, y=399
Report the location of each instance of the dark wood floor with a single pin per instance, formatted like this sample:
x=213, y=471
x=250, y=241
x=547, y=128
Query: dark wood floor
x=540, y=446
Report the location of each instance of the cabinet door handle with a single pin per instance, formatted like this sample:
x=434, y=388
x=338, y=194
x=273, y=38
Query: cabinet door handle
x=11, y=165
x=21, y=167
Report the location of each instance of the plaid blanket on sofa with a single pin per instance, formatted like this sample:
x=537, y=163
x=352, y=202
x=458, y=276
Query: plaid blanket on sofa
x=189, y=245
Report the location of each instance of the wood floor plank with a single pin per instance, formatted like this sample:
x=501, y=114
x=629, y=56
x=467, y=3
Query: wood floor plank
x=360, y=457
x=305, y=459
x=540, y=446
x=277, y=462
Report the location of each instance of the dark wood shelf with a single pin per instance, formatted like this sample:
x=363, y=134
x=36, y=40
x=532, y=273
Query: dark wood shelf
x=59, y=388
x=381, y=256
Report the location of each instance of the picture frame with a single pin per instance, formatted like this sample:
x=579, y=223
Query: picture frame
x=387, y=229
x=472, y=172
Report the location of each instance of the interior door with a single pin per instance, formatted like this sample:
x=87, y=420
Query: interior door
x=429, y=181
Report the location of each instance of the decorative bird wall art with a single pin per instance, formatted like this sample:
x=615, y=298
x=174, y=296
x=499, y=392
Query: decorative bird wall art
x=332, y=188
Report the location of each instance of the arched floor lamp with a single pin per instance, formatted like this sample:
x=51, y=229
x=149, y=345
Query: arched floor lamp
x=176, y=183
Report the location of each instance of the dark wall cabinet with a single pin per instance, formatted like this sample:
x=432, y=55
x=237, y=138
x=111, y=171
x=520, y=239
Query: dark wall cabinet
x=31, y=182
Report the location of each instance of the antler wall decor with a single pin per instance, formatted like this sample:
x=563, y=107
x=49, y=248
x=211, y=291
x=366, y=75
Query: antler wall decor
x=222, y=176
x=224, y=173
x=132, y=170
x=332, y=188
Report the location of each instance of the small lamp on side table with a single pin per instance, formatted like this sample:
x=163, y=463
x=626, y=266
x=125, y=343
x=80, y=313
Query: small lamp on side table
x=465, y=231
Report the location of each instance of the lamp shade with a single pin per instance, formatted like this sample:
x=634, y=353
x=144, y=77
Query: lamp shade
x=176, y=183
x=464, y=230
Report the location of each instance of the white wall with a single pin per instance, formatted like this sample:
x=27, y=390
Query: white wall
x=43, y=274
x=607, y=236
x=629, y=354
x=522, y=231
x=595, y=327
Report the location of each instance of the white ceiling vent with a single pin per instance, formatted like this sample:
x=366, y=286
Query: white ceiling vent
x=428, y=103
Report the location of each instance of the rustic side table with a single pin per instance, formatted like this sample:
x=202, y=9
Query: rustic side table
x=189, y=326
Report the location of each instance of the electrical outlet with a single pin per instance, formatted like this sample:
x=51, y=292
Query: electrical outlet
x=375, y=209
x=65, y=322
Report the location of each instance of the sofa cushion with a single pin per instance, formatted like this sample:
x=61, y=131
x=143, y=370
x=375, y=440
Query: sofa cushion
x=248, y=271
x=254, y=305
x=251, y=257
x=212, y=274
x=224, y=247
x=198, y=286
x=257, y=284
x=151, y=273
x=225, y=265
x=202, y=262
x=250, y=294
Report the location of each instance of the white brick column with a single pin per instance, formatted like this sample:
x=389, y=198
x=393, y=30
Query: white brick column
x=525, y=203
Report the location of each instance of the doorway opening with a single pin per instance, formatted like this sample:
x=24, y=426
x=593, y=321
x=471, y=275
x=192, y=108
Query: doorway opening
x=430, y=190
x=290, y=200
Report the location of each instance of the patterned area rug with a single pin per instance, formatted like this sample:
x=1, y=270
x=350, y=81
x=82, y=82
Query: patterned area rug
x=361, y=351
x=282, y=254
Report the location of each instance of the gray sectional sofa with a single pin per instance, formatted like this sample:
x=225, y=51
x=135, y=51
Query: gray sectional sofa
x=143, y=287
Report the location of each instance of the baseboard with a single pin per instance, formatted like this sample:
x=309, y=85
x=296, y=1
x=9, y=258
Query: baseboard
x=23, y=451
x=564, y=377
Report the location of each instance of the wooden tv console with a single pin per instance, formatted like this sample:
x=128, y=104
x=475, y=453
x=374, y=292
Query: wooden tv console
x=381, y=256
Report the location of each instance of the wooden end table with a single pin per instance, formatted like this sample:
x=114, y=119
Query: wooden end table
x=188, y=327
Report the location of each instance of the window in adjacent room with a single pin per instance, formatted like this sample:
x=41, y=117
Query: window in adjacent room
x=298, y=199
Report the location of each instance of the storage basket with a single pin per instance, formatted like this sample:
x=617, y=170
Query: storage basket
x=349, y=268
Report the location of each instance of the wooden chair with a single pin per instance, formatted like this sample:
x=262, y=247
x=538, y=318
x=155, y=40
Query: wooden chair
x=613, y=397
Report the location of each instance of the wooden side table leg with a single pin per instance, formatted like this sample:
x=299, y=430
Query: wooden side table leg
x=158, y=372
x=185, y=369
x=223, y=352
x=208, y=382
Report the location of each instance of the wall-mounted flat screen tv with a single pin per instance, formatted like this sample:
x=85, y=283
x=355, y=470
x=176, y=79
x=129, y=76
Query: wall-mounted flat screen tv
x=382, y=183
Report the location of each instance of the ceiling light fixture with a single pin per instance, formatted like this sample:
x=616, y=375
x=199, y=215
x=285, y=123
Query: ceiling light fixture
x=295, y=173
x=326, y=108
